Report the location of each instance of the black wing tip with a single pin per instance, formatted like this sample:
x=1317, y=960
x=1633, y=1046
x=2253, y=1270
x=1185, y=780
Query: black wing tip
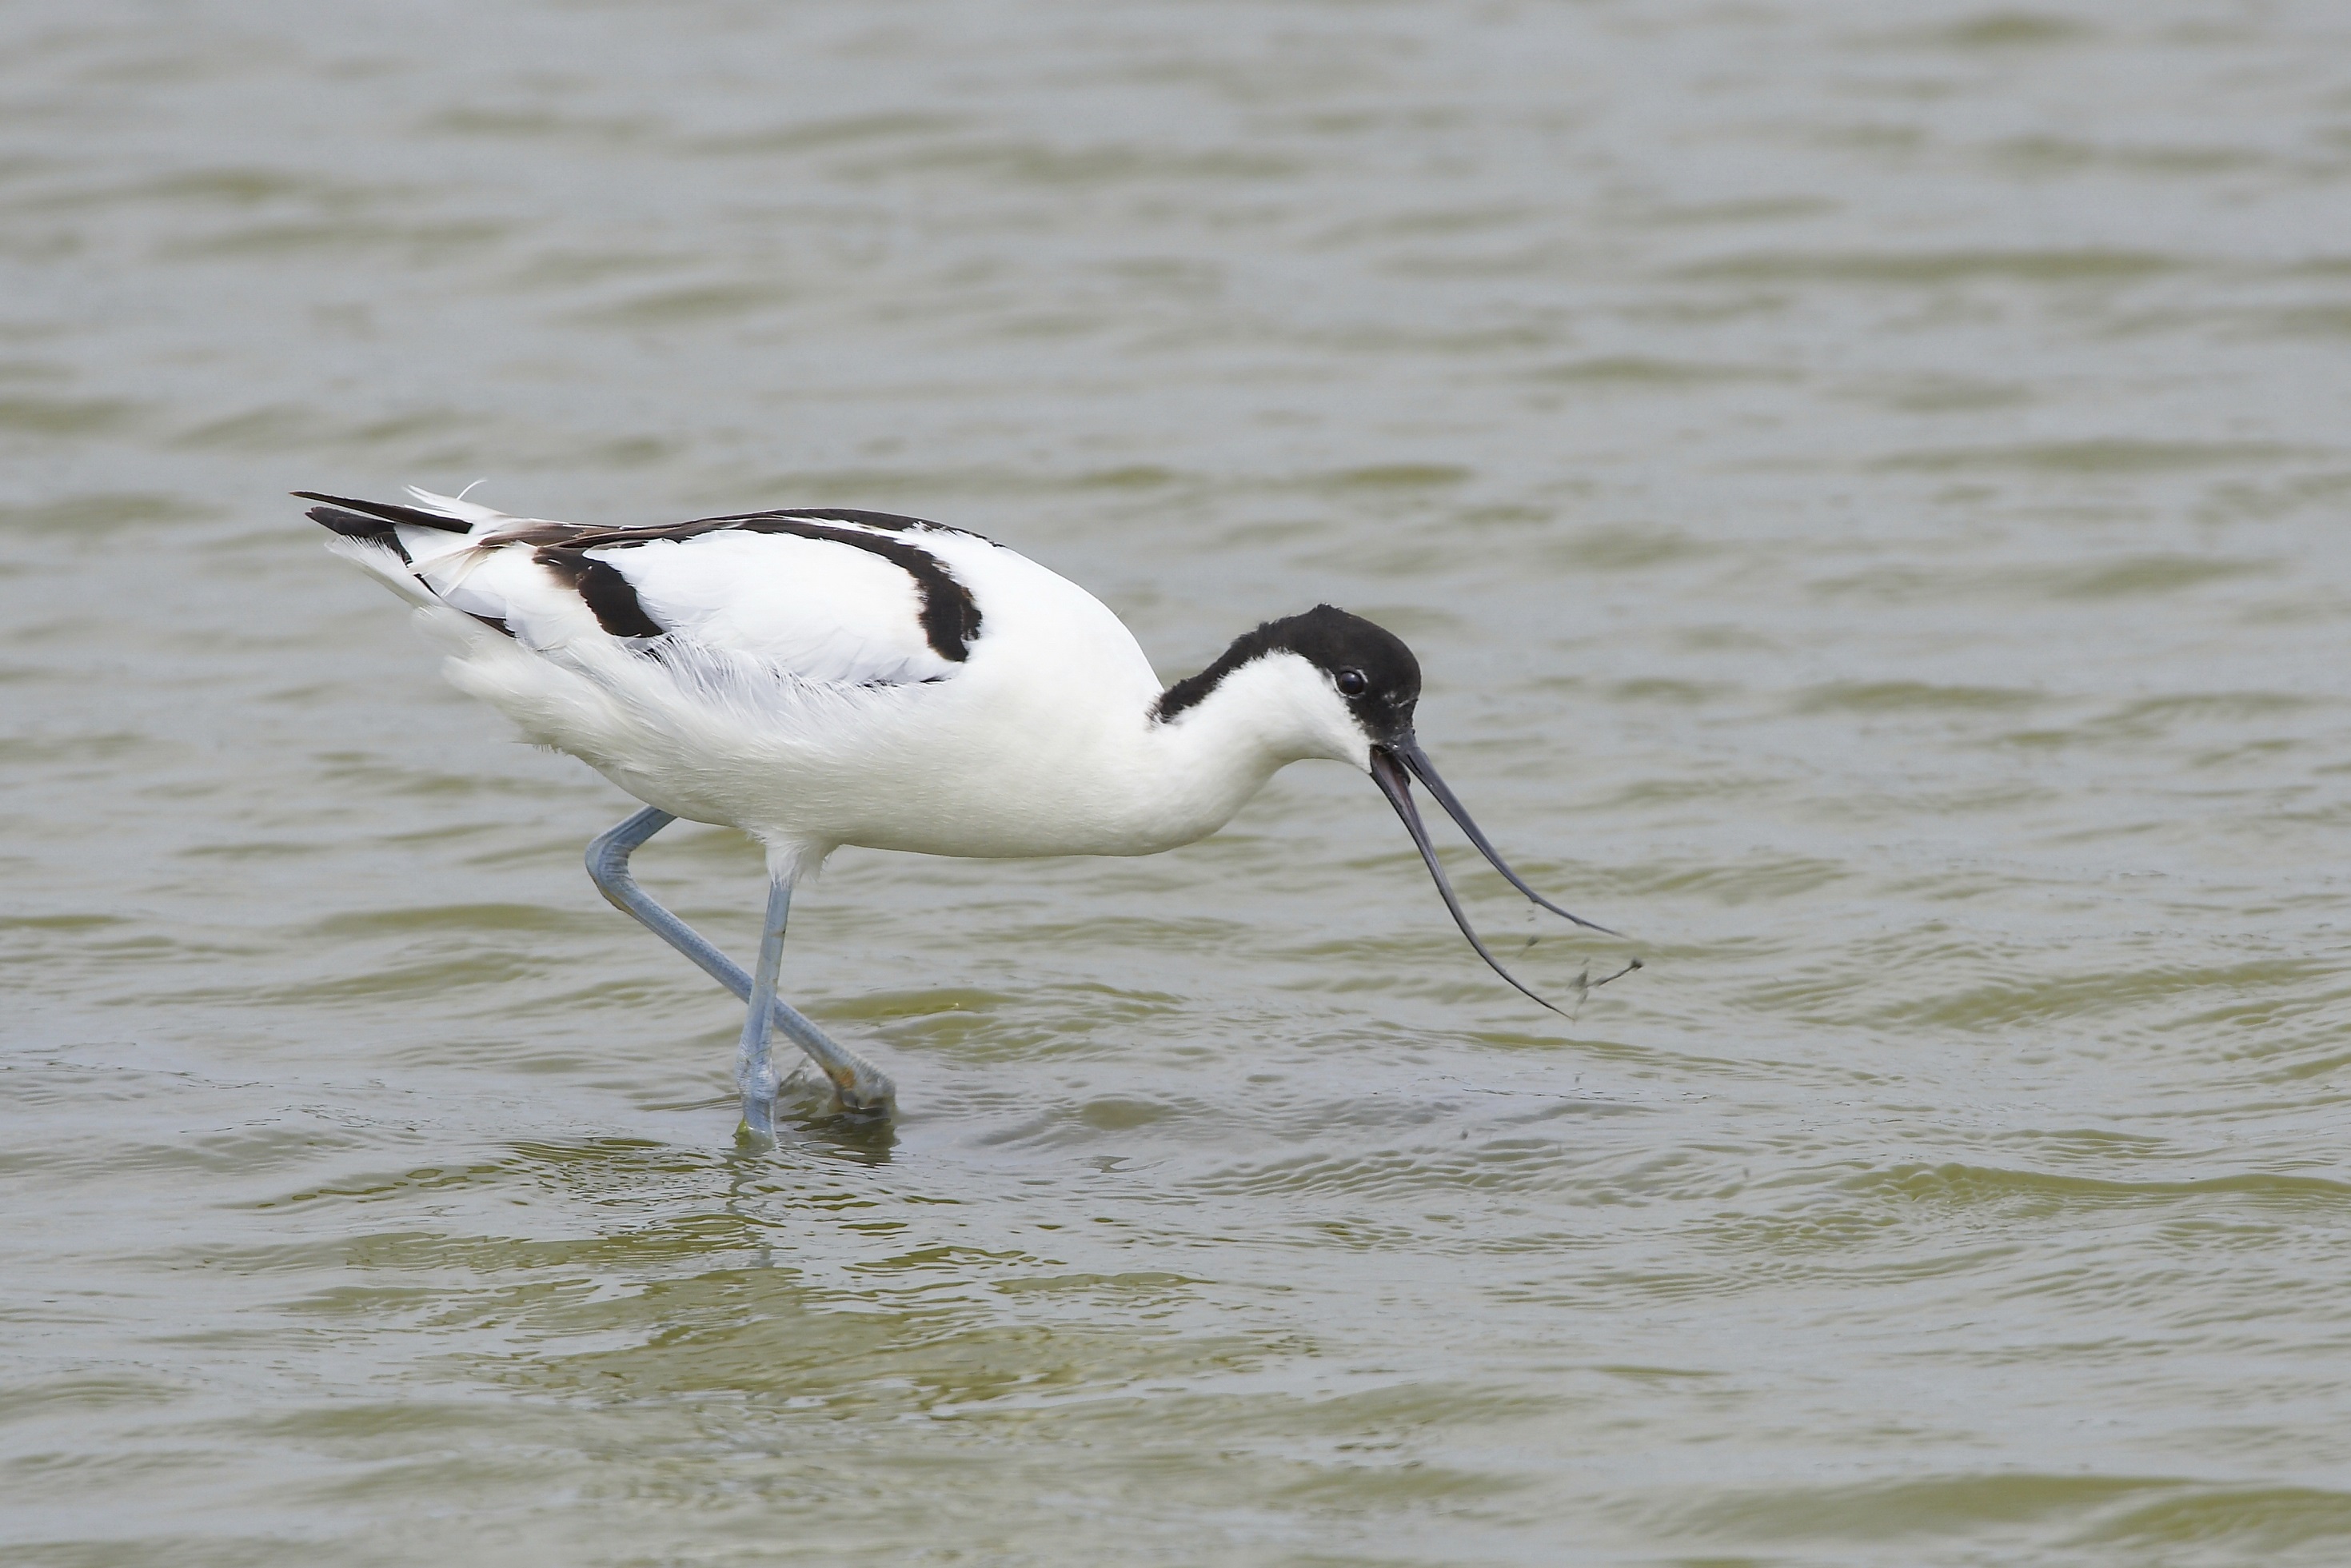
x=352, y=526
x=387, y=511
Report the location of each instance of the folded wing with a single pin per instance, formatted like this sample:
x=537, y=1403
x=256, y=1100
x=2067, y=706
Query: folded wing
x=848, y=598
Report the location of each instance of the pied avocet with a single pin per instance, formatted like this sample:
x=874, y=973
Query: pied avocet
x=818, y=678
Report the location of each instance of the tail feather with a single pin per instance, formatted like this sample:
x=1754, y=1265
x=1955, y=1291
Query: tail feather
x=438, y=527
x=473, y=514
x=398, y=546
x=384, y=560
x=352, y=526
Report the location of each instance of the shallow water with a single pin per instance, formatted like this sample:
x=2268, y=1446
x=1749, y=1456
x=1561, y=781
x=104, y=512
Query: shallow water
x=1866, y=483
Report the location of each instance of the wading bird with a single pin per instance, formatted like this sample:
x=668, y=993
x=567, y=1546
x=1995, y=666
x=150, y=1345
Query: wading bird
x=818, y=678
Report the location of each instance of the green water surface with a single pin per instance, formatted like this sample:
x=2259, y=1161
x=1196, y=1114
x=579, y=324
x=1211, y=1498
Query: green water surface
x=1867, y=481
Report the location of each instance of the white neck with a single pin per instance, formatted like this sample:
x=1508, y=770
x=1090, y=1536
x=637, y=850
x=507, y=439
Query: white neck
x=1202, y=766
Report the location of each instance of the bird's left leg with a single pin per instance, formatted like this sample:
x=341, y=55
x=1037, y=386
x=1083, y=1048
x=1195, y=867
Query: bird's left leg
x=859, y=1085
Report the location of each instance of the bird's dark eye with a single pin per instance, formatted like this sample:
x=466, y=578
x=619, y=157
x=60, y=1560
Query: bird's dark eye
x=1353, y=683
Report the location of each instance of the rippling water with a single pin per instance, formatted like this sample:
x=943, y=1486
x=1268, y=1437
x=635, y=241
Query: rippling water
x=1867, y=482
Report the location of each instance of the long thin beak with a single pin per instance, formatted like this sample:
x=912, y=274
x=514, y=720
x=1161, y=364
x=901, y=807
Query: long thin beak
x=1389, y=774
x=1414, y=757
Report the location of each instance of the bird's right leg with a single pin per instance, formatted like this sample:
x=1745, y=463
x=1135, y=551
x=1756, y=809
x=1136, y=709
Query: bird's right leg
x=861, y=1086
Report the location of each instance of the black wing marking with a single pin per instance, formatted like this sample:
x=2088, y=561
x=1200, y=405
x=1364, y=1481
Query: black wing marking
x=352, y=525
x=889, y=522
x=608, y=593
x=388, y=511
x=950, y=616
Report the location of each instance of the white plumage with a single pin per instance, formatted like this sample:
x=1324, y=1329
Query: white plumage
x=823, y=678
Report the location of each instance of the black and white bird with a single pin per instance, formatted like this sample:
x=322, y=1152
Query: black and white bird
x=818, y=678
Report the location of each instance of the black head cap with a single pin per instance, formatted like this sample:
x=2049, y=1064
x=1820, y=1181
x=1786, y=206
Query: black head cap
x=1374, y=672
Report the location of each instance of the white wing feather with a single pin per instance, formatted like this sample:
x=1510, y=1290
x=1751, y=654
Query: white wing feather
x=822, y=610
x=811, y=609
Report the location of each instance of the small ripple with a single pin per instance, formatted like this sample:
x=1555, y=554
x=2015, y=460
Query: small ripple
x=690, y=305
x=1614, y=371
x=2043, y=1192
x=2012, y=999
x=1890, y=696
x=2241, y=1519
x=99, y=514
x=424, y=243
x=1925, y=268
x=1943, y=1506
x=2117, y=455
x=831, y=131
x=54, y=417
x=463, y=917
x=541, y=124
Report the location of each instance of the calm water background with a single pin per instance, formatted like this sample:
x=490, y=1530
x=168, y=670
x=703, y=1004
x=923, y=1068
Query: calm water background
x=1867, y=482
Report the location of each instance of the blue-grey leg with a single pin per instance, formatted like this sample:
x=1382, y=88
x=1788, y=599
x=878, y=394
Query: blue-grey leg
x=859, y=1085
x=755, y=1070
